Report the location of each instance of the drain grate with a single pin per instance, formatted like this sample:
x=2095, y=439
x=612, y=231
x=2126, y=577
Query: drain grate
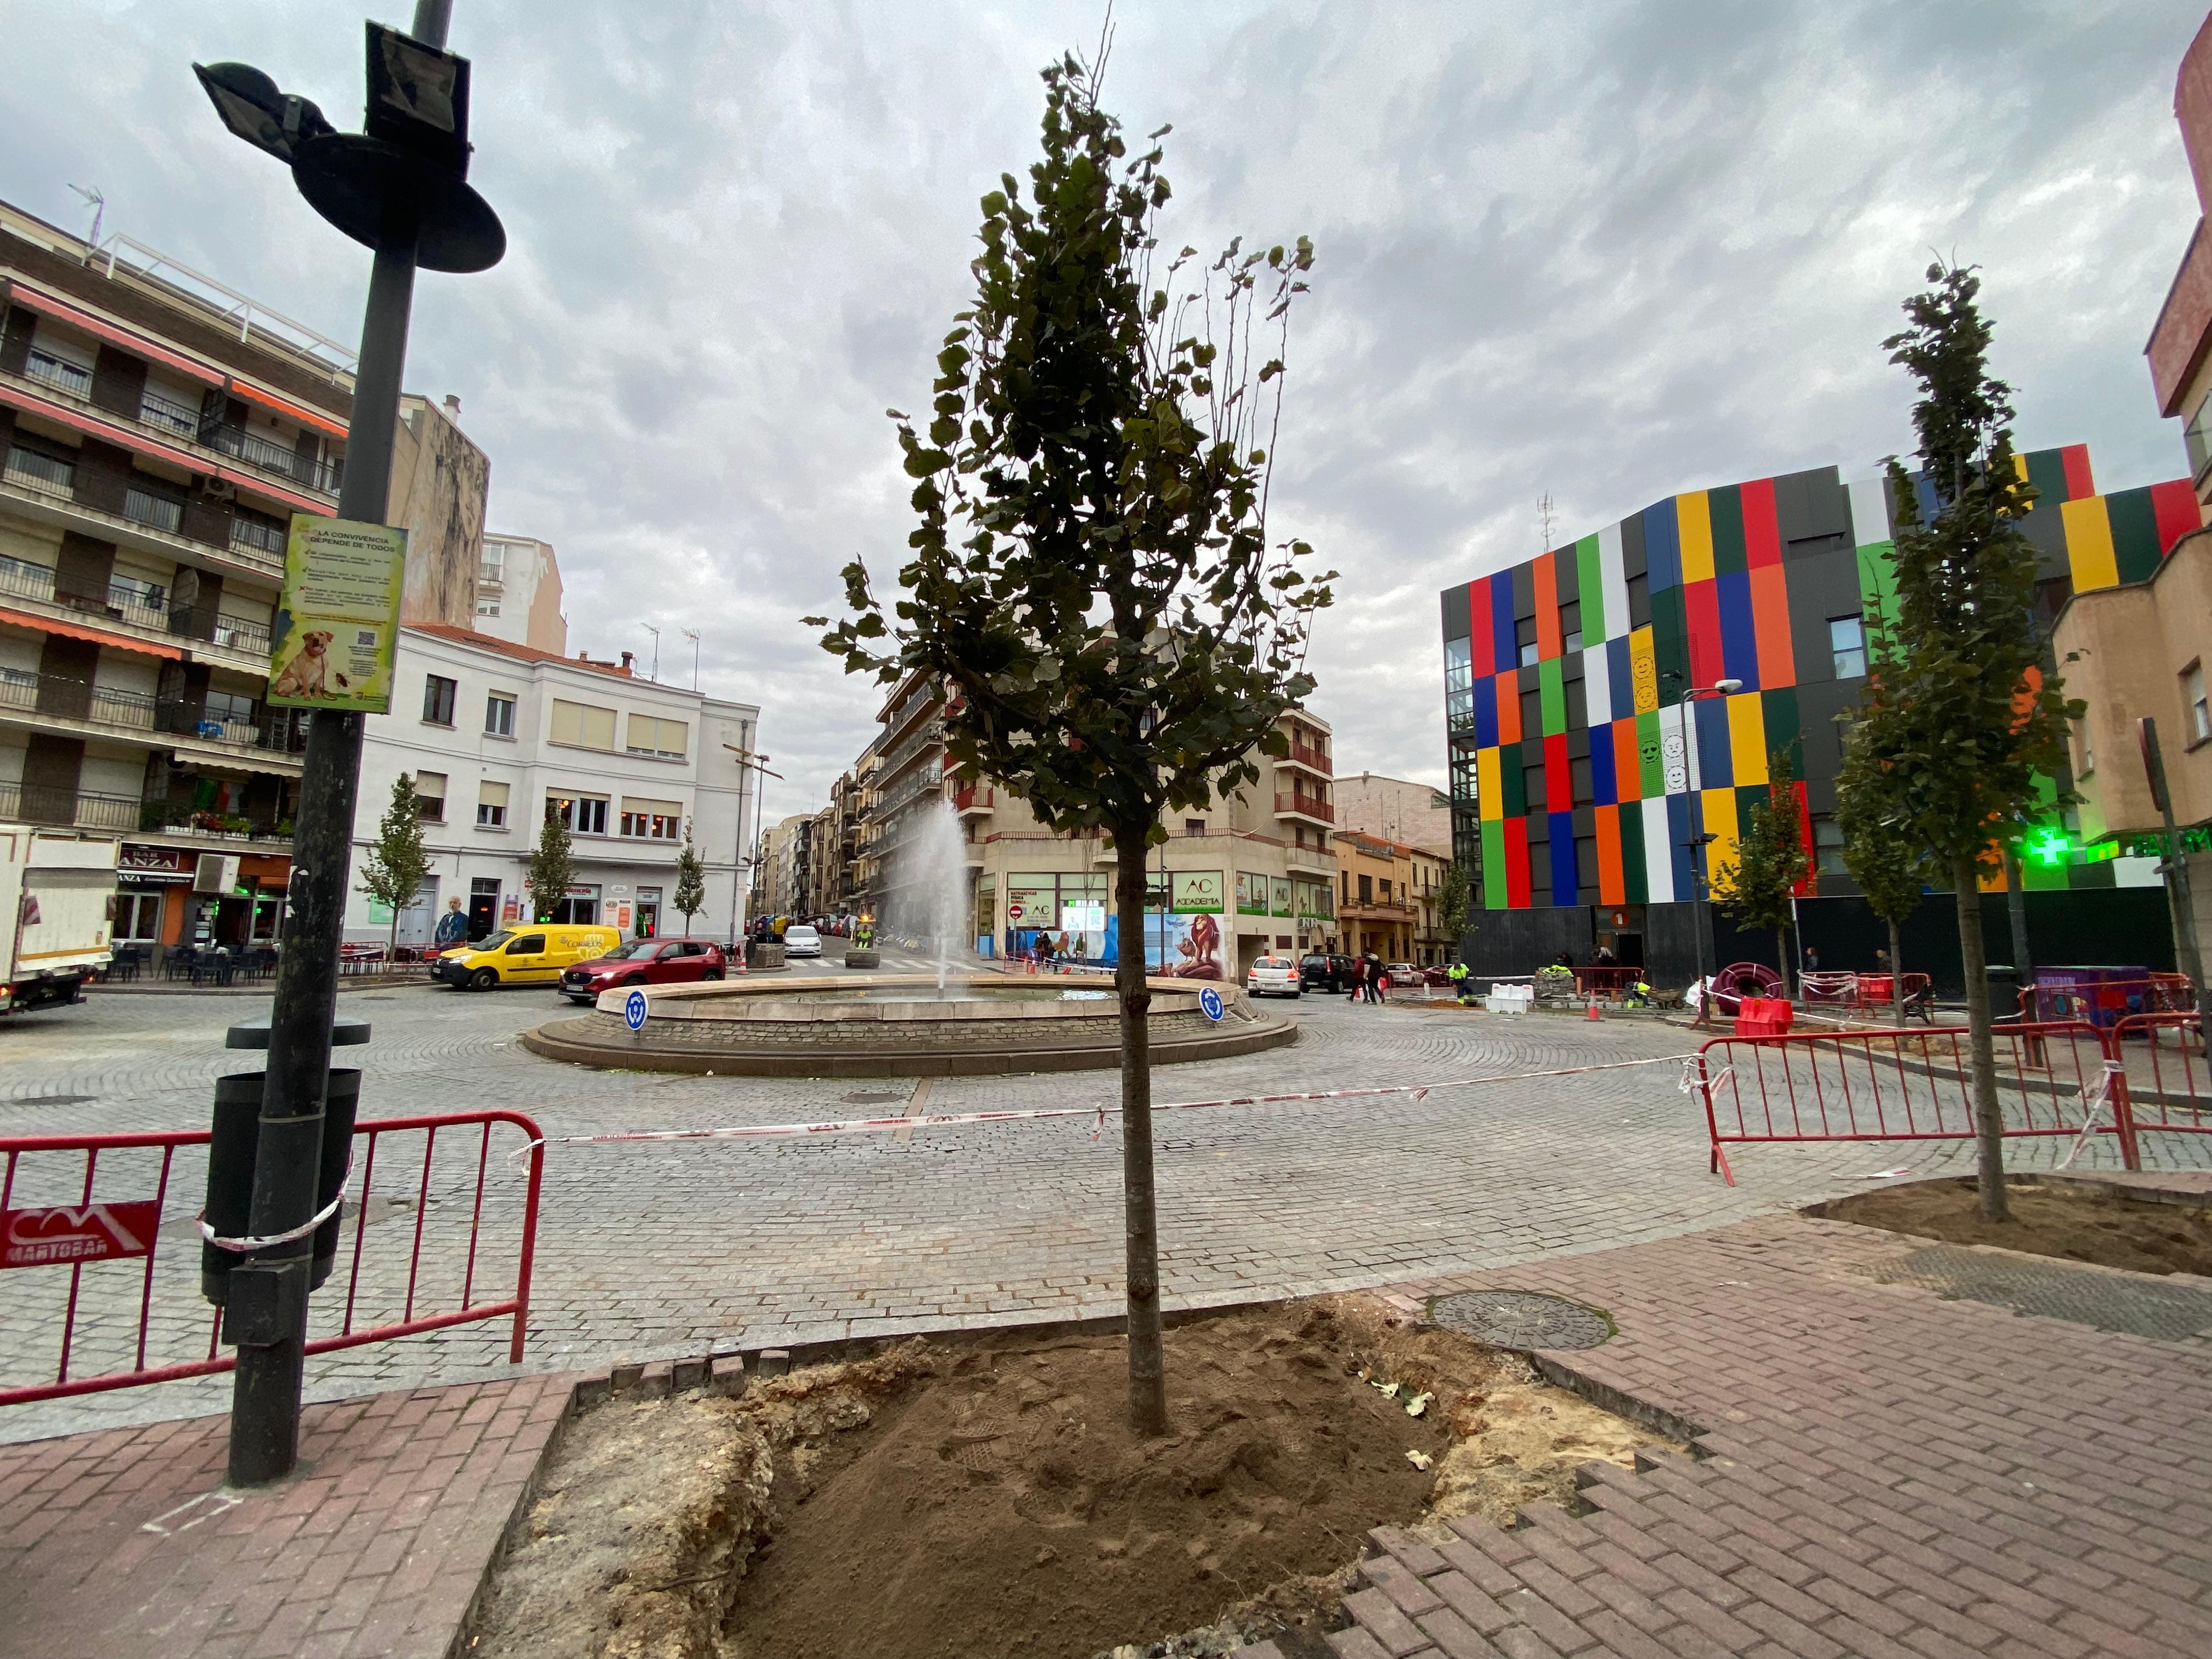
x=53, y=1100
x=2054, y=1290
x=872, y=1097
x=1521, y=1319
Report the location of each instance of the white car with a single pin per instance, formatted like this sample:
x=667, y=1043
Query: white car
x=1273, y=976
x=801, y=940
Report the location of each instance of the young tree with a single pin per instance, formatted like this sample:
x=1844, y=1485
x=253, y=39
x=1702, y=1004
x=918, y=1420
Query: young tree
x=1454, y=897
x=690, y=880
x=1091, y=580
x=551, y=870
x=1958, y=711
x=394, y=871
x=1770, y=862
x=1888, y=867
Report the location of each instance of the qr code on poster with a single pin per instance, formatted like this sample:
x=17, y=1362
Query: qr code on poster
x=365, y=638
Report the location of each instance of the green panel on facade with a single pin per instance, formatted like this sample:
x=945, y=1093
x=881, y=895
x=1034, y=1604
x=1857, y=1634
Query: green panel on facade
x=1670, y=643
x=1634, y=888
x=1780, y=710
x=1726, y=506
x=1878, y=580
x=1513, y=796
x=1650, y=755
x=1552, y=685
x=1493, y=865
x=2046, y=472
x=2135, y=534
x=1596, y=625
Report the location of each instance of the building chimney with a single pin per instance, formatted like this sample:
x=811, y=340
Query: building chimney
x=626, y=662
x=453, y=408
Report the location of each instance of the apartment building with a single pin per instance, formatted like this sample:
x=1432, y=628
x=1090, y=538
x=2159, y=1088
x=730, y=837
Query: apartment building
x=158, y=432
x=518, y=594
x=498, y=736
x=1396, y=809
x=901, y=775
x=1387, y=900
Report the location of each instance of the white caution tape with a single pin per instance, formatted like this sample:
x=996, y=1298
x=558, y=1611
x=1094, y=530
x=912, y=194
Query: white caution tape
x=2094, y=1100
x=266, y=1241
x=951, y=1120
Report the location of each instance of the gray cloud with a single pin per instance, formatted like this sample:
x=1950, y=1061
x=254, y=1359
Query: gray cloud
x=1608, y=252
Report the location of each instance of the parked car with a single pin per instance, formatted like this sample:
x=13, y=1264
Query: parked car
x=1403, y=974
x=522, y=956
x=645, y=962
x=1273, y=976
x=801, y=940
x=1325, y=973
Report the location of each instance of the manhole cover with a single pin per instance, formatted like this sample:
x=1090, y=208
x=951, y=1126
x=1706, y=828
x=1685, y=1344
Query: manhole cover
x=2053, y=1290
x=1521, y=1319
x=54, y=1100
x=872, y=1097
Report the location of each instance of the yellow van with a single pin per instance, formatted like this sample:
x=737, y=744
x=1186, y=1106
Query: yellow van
x=522, y=956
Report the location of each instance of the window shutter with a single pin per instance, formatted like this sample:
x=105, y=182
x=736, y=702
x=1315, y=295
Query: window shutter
x=667, y=808
x=598, y=727
x=491, y=792
x=567, y=722
x=431, y=786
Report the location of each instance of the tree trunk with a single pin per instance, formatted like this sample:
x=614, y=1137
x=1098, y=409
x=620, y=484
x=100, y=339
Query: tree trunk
x=1897, y=975
x=1782, y=958
x=2023, y=966
x=1989, y=1125
x=1148, y=1398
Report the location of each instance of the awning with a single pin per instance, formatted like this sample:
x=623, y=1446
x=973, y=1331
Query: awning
x=113, y=333
x=262, y=487
x=123, y=437
x=97, y=637
x=286, y=407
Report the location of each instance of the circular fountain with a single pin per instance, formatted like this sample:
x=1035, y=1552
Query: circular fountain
x=902, y=1025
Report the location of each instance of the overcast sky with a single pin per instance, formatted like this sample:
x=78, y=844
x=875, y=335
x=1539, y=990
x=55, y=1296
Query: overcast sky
x=1604, y=252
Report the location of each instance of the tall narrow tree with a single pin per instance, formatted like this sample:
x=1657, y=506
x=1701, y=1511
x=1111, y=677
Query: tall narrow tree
x=1091, y=581
x=550, y=870
x=691, y=895
x=1453, y=898
x=1770, y=862
x=1958, y=710
x=398, y=863
x=1879, y=855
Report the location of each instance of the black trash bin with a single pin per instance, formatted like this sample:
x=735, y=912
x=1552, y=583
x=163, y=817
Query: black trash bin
x=230, y=1172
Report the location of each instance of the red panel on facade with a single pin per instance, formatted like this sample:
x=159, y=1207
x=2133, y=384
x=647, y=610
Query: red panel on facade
x=2079, y=486
x=1811, y=885
x=1627, y=764
x=1516, y=863
x=1558, y=781
x=1547, y=609
x=1481, y=655
x=2173, y=505
x=1762, y=541
x=1769, y=621
x=1508, y=707
x=1611, y=889
x=1701, y=612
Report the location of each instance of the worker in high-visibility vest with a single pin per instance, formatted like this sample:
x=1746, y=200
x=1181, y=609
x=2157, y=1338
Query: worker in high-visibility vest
x=1457, y=975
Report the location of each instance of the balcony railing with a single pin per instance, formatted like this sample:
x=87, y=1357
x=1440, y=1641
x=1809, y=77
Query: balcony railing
x=58, y=372
x=242, y=634
x=34, y=471
x=143, y=604
x=282, y=730
x=1312, y=806
x=251, y=535
x=34, y=803
x=155, y=512
x=1307, y=755
x=168, y=413
x=252, y=447
x=976, y=798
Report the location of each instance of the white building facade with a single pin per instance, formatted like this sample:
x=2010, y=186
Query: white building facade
x=497, y=734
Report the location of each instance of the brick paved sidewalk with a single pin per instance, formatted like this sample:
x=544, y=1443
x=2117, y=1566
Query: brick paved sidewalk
x=122, y=1542
x=1880, y=1473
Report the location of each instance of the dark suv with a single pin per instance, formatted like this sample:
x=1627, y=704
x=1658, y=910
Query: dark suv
x=645, y=962
x=1323, y=973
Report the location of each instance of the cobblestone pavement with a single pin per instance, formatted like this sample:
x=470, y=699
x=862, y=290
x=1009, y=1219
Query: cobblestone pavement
x=1879, y=1472
x=655, y=1250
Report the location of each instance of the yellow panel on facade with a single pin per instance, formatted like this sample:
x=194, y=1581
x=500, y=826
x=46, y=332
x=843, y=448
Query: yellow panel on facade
x=2089, y=543
x=1644, y=669
x=1489, y=792
x=1719, y=810
x=1748, y=738
x=1693, y=522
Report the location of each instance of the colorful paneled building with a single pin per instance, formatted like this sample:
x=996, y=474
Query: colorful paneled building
x=1572, y=753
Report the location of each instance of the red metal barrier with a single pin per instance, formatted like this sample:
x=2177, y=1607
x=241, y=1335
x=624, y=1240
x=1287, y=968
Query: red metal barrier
x=1604, y=979
x=1895, y=1085
x=114, y=1313
x=2165, y=1084
x=1863, y=992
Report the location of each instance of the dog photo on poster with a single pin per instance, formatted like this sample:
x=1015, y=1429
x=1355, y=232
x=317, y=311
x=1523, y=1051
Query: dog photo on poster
x=337, y=621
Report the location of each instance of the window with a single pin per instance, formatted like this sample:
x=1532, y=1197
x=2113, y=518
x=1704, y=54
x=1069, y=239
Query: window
x=669, y=739
x=1580, y=782
x=2088, y=749
x=430, y=796
x=585, y=815
x=2193, y=694
x=499, y=714
x=2197, y=437
x=1828, y=847
x=1847, y=643
x=491, y=563
x=227, y=707
x=1639, y=601
x=487, y=607
x=1532, y=713
x=491, y=804
x=1385, y=886
x=653, y=820
x=530, y=944
x=438, y=699
x=1367, y=889
x=1194, y=826
x=1570, y=624
x=582, y=725
x=1524, y=635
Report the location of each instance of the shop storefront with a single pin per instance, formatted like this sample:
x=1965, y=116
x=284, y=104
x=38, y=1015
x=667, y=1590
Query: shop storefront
x=171, y=896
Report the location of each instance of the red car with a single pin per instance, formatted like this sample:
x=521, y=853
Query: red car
x=645, y=962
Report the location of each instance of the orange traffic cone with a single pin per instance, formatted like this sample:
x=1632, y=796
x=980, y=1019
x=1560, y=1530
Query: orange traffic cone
x=1594, y=1013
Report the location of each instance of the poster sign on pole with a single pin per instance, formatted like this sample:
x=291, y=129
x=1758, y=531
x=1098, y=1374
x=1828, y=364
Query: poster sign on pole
x=337, y=621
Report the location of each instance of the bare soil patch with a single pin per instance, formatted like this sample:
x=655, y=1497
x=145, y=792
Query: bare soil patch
x=981, y=1495
x=2066, y=1221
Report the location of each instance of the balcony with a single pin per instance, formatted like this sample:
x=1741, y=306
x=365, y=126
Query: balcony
x=33, y=803
x=73, y=704
x=133, y=604
x=976, y=800
x=173, y=825
x=1299, y=804
x=1375, y=909
x=59, y=372
x=1314, y=760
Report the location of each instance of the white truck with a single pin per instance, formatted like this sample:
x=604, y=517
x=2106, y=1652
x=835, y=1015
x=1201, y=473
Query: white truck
x=57, y=909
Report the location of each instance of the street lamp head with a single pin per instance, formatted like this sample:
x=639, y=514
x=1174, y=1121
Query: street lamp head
x=1728, y=688
x=254, y=108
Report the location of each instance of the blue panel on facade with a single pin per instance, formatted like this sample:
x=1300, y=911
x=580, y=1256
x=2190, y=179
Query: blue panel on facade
x=1739, y=631
x=1485, y=713
x=1716, y=766
x=1501, y=620
x=1662, y=547
x=1564, y=884
x=1601, y=766
x=1678, y=842
x=1620, y=678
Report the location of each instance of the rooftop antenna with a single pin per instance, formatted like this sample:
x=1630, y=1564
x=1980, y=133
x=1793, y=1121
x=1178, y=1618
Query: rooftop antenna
x=694, y=638
x=1544, y=511
x=98, y=204
x=655, y=674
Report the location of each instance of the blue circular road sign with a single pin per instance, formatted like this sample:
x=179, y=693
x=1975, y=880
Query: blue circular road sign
x=634, y=1010
x=1209, y=1003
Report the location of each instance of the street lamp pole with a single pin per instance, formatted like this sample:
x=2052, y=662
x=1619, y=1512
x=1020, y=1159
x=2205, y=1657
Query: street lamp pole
x=401, y=190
